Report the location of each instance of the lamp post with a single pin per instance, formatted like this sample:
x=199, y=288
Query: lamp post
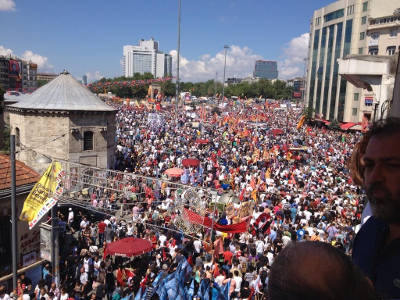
x=177, y=60
x=226, y=47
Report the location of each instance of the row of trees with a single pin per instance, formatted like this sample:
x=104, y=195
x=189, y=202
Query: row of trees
x=265, y=88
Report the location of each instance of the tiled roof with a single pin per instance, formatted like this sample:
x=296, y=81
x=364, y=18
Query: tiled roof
x=24, y=174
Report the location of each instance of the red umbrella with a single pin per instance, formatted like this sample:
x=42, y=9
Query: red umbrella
x=174, y=172
x=190, y=162
x=277, y=131
x=128, y=247
x=202, y=141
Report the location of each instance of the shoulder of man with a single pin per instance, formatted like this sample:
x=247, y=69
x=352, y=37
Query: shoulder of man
x=367, y=244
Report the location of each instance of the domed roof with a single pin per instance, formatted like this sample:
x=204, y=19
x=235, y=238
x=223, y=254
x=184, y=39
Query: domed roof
x=63, y=93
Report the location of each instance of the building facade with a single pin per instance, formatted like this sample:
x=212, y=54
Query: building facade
x=146, y=58
x=45, y=76
x=337, y=31
x=267, y=69
x=64, y=120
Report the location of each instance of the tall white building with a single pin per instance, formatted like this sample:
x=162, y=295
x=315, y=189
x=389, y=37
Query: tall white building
x=339, y=30
x=146, y=58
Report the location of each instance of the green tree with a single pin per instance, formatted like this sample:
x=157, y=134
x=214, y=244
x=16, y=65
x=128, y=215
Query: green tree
x=41, y=83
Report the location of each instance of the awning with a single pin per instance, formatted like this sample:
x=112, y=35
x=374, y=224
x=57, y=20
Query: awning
x=174, y=172
x=346, y=126
x=128, y=247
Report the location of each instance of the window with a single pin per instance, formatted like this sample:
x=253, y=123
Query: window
x=363, y=20
x=356, y=96
x=317, y=21
x=362, y=36
x=17, y=137
x=88, y=140
x=391, y=50
x=350, y=10
x=354, y=112
x=373, y=50
x=365, y=6
x=360, y=50
x=334, y=15
x=393, y=33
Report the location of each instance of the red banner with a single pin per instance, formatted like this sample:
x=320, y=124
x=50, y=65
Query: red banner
x=207, y=222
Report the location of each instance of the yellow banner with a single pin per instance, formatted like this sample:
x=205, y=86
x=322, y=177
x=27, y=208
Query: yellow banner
x=44, y=195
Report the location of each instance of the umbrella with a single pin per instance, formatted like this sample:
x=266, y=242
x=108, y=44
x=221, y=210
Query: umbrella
x=191, y=162
x=277, y=131
x=128, y=247
x=202, y=141
x=174, y=172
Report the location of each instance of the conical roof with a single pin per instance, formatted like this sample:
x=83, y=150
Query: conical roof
x=63, y=93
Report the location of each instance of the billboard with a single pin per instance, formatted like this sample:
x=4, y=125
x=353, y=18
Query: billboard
x=14, y=69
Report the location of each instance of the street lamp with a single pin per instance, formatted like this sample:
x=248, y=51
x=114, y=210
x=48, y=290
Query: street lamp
x=226, y=47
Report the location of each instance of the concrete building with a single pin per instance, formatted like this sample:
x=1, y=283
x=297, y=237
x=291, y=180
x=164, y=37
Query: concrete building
x=64, y=120
x=146, y=58
x=45, y=76
x=337, y=31
x=4, y=80
x=84, y=80
x=29, y=73
x=266, y=69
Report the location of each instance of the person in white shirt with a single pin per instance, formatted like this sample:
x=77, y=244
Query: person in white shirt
x=3, y=294
x=238, y=281
x=70, y=216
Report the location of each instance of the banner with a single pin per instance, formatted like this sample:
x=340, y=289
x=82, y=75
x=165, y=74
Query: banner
x=207, y=222
x=44, y=195
x=301, y=122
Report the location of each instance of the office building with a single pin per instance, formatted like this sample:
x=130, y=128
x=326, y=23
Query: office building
x=339, y=30
x=266, y=69
x=29, y=73
x=45, y=76
x=4, y=66
x=146, y=58
x=84, y=80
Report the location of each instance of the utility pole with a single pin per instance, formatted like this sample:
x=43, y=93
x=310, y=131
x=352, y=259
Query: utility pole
x=13, y=211
x=177, y=60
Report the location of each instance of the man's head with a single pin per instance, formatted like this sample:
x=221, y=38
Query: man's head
x=316, y=270
x=376, y=166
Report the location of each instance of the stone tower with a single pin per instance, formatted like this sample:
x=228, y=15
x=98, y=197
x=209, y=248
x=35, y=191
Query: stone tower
x=63, y=120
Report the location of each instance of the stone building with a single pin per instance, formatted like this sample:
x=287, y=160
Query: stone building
x=63, y=120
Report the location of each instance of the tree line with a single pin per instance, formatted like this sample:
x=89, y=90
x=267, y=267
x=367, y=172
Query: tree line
x=265, y=88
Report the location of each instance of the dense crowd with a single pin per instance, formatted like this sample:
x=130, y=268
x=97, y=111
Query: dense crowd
x=290, y=184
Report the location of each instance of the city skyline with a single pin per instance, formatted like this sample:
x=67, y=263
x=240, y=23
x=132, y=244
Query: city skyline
x=87, y=38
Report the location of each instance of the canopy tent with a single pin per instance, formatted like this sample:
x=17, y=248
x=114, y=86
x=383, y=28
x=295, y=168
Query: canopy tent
x=191, y=162
x=128, y=247
x=202, y=141
x=174, y=172
x=277, y=131
x=347, y=126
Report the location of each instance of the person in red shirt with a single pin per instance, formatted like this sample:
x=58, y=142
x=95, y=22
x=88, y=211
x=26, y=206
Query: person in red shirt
x=228, y=257
x=101, y=227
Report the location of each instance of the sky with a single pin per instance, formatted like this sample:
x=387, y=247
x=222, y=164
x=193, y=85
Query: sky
x=86, y=37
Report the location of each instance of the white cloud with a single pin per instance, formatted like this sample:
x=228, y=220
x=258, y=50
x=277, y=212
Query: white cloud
x=7, y=5
x=295, y=52
x=93, y=76
x=4, y=51
x=41, y=61
x=239, y=63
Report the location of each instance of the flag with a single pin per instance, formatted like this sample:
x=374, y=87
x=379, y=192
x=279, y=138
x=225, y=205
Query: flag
x=301, y=121
x=44, y=195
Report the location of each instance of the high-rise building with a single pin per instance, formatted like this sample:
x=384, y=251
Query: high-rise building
x=339, y=30
x=146, y=58
x=84, y=79
x=267, y=69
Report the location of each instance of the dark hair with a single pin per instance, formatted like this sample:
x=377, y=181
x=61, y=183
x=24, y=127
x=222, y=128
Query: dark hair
x=316, y=270
x=386, y=127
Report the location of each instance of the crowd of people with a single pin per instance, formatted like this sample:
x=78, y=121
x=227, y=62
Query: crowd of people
x=290, y=184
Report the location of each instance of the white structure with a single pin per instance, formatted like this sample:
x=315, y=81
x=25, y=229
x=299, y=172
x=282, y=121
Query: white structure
x=146, y=58
x=337, y=31
x=376, y=76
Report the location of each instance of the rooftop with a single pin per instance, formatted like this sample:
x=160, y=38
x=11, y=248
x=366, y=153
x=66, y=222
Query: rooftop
x=63, y=93
x=24, y=174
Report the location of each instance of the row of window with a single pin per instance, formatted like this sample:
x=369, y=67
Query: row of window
x=374, y=50
x=385, y=20
x=340, y=13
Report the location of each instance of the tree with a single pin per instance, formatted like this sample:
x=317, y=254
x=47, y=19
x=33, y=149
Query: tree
x=168, y=88
x=41, y=83
x=334, y=125
x=308, y=112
